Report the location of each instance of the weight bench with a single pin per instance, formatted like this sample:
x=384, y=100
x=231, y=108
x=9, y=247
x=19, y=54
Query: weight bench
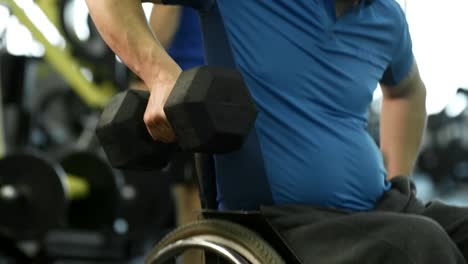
x=252, y=224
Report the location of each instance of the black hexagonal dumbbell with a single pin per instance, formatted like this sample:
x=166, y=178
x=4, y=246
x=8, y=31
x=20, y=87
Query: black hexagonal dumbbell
x=210, y=110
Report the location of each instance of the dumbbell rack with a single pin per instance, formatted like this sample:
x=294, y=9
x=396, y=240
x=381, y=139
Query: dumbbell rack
x=86, y=247
x=64, y=244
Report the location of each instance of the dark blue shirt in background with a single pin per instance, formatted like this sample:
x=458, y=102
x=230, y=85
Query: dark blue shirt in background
x=186, y=47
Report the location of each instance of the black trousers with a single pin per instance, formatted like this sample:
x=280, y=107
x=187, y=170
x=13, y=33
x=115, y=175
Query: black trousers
x=400, y=230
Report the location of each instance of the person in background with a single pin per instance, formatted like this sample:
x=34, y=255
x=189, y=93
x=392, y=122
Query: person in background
x=180, y=34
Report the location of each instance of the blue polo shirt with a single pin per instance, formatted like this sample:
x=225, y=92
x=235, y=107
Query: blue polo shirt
x=312, y=76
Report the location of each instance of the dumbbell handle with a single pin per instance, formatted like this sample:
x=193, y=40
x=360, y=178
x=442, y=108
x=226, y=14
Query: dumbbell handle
x=76, y=188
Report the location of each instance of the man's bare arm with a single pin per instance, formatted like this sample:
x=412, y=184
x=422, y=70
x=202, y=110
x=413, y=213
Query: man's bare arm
x=403, y=120
x=123, y=25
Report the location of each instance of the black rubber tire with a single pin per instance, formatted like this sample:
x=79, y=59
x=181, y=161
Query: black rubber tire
x=235, y=233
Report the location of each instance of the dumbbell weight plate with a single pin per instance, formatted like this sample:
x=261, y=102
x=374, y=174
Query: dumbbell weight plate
x=98, y=209
x=123, y=135
x=210, y=110
x=41, y=204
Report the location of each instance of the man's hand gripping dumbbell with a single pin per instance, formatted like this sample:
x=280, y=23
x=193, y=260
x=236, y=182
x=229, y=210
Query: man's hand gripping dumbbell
x=210, y=110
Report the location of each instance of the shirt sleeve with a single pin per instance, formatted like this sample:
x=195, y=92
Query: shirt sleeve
x=402, y=58
x=200, y=5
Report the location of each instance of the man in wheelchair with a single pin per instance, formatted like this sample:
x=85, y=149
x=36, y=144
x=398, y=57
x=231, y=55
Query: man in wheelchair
x=308, y=166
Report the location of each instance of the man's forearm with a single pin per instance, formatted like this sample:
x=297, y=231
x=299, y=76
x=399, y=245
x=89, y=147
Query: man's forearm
x=403, y=120
x=123, y=26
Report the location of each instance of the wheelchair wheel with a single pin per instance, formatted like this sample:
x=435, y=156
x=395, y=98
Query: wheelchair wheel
x=231, y=242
